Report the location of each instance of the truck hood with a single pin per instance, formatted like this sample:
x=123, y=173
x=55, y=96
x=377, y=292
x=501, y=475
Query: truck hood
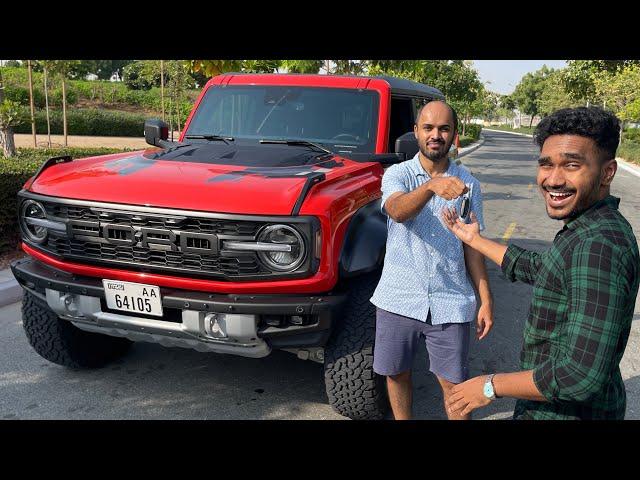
x=264, y=179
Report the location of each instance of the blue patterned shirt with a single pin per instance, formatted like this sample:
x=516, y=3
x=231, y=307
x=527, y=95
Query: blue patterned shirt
x=424, y=265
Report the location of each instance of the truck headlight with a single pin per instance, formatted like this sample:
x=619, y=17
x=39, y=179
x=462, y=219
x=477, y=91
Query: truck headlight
x=289, y=251
x=33, y=219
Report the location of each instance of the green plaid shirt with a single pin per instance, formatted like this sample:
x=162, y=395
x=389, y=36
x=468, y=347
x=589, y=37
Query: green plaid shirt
x=584, y=295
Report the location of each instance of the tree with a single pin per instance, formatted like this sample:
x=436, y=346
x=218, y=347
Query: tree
x=506, y=107
x=261, y=66
x=212, y=68
x=580, y=76
x=33, y=120
x=44, y=65
x=620, y=92
x=554, y=95
x=302, y=66
x=63, y=69
x=348, y=67
x=10, y=117
x=529, y=91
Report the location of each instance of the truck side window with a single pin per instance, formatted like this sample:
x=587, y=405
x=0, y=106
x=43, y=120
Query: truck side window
x=402, y=119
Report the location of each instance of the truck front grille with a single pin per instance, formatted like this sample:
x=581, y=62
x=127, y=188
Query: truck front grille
x=115, y=238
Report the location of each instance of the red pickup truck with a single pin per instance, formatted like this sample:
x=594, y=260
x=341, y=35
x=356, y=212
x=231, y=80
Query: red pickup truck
x=259, y=229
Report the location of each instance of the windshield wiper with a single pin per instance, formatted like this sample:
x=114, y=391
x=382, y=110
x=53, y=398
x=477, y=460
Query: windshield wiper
x=298, y=142
x=211, y=138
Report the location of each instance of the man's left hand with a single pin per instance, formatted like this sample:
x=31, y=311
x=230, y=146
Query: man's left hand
x=485, y=320
x=467, y=396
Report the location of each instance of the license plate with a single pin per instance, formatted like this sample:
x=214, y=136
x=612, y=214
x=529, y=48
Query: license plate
x=133, y=297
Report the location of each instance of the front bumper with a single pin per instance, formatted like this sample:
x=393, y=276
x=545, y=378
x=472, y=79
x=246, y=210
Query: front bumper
x=255, y=323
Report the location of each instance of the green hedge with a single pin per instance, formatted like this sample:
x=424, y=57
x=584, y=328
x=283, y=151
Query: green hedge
x=466, y=141
x=472, y=130
x=632, y=134
x=102, y=92
x=103, y=123
x=629, y=151
x=15, y=171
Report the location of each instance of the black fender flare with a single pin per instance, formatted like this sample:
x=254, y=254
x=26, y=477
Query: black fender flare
x=365, y=241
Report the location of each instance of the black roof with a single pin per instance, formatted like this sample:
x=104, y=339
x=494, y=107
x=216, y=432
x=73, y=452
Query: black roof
x=399, y=86
x=403, y=86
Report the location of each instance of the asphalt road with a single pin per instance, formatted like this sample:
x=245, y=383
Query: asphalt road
x=154, y=382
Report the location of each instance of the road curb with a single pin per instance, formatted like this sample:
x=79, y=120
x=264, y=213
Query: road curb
x=10, y=292
x=506, y=131
x=471, y=148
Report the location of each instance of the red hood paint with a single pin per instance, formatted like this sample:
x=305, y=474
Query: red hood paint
x=131, y=179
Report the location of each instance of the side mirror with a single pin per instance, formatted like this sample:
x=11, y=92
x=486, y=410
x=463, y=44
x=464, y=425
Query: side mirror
x=155, y=130
x=407, y=144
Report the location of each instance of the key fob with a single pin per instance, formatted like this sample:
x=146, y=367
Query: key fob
x=465, y=207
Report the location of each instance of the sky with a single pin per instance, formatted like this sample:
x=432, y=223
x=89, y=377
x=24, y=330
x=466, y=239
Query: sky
x=502, y=76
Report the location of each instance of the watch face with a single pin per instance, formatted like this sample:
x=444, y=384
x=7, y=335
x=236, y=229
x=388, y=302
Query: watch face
x=488, y=390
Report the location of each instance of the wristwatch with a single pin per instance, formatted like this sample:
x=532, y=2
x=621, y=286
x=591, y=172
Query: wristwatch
x=488, y=390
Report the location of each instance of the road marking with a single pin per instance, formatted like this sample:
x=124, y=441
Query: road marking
x=508, y=232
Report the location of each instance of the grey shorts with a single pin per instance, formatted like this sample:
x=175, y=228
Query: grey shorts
x=397, y=339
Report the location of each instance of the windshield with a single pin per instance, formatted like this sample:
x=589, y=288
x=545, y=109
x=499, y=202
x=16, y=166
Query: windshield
x=342, y=120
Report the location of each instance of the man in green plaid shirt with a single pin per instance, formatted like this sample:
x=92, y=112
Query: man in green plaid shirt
x=585, y=286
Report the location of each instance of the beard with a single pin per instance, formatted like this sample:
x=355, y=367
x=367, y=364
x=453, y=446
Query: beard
x=437, y=156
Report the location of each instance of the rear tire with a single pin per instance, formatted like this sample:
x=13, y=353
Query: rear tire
x=354, y=390
x=61, y=342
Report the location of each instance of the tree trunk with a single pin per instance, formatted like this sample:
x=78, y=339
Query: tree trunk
x=531, y=121
x=6, y=134
x=33, y=117
x=179, y=118
x=162, y=87
x=171, y=116
x=7, y=142
x=46, y=103
x=64, y=111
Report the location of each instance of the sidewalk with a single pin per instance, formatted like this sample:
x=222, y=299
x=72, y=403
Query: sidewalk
x=24, y=140
x=10, y=291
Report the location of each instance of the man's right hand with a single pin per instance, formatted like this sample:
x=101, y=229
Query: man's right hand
x=447, y=187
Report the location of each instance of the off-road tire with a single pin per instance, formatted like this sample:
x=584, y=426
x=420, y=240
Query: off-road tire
x=353, y=389
x=61, y=342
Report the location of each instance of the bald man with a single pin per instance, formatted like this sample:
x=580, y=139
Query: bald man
x=426, y=290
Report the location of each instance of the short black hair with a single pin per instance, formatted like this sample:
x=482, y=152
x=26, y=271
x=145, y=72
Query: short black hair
x=592, y=122
x=453, y=112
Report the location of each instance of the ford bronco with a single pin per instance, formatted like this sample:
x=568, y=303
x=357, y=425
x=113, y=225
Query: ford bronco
x=259, y=229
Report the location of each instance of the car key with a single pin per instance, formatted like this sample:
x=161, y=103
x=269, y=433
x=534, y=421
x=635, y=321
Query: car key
x=465, y=208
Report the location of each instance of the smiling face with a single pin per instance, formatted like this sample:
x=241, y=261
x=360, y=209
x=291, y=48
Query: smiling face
x=434, y=131
x=572, y=175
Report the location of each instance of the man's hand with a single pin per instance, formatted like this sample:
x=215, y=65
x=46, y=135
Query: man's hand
x=466, y=232
x=485, y=320
x=447, y=187
x=467, y=396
